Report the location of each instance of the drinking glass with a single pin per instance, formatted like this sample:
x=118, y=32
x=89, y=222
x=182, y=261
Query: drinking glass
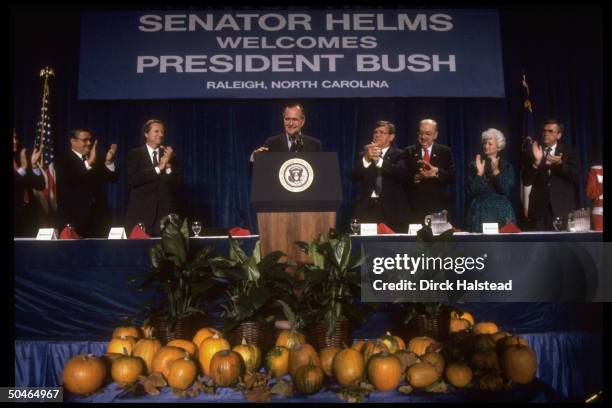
x=571, y=222
x=355, y=226
x=196, y=227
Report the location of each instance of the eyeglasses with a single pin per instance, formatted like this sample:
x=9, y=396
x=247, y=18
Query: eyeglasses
x=292, y=119
x=549, y=131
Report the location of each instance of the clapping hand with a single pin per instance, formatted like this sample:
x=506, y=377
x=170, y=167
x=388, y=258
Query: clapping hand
x=538, y=153
x=480, y=166
x=164, y=162
x=23, y=160
x=91, y=159
x=427, y=169
x=554, y=160
x=36, y=153
x=373, y=152
x=110, y=155
x=494, y=165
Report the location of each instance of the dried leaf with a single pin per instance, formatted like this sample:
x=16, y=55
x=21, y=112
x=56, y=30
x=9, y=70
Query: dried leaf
x=435, y=347
x=355, y=393
x=200, y=386
x=406, y=389
x=438, y=387
x=366, y=386
x=407, y=359
x=152, y=383
x=206, y=380
x=258, y=395
x=282, y=388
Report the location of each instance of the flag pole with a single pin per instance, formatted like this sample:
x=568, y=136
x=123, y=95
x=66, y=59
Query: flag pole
x=45, y=73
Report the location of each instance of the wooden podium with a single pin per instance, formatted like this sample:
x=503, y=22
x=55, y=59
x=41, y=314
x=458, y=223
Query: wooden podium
x=296, y=196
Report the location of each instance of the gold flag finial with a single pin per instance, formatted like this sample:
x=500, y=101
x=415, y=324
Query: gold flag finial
x=47, y=72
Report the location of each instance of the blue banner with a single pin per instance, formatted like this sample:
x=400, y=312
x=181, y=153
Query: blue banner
x=289, y=54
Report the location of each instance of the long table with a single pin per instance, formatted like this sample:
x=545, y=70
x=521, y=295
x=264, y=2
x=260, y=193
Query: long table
x=75, y=290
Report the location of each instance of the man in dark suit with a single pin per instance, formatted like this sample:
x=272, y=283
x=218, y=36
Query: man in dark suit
x=154, y=179
x=553, y=174
x=81, y=196
x=382, y=174
x=431, y=170
x=292, y=140
x=27, y=176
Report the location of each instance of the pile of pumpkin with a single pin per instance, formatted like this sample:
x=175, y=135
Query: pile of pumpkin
x=476, y=354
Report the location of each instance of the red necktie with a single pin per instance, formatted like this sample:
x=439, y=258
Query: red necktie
x=426, y=156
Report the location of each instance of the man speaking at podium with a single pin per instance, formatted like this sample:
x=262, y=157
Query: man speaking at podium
x=293, y=140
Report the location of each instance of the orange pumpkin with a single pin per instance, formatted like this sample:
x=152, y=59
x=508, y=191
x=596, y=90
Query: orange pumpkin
x=251, y=355
x=182, y=373
x=358, y=345
x=127, y=331
x=117, y=345
x=519, y=363
x=485, y=361
x=459, y=374
x=203, y=334
x=372, y=348
x=309, y=379
x=393, y=343
x=485, y=328
x=164, y=357
x=146, y=349
x=457, y=325
x=434, y=359
x=301, y=355
x=208, y=348
x=84, y=374
x=225, y=368
x=422, y=375
x=186, y=345
x=463, y=315
x=290, y=338
x=277, y=361
x=513, y=341
x=126, y=369
x=500, y=335
x=483, y=342
x=385, y=371
x=348, y=367
x=419, y=345
x=327, y=357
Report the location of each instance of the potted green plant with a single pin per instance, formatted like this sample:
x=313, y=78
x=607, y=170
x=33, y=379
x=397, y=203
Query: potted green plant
x=428, y=318
x=331, y=288
x=180, y=278
x=250, y=279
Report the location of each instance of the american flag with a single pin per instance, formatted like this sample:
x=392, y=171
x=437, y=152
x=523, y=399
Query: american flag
x=47, y=197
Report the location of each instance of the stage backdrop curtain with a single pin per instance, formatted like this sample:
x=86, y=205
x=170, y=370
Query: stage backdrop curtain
x=559, y=48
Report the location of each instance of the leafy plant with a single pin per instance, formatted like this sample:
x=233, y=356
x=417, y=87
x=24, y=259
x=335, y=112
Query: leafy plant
x=179, y=276
x=249, y=283
x=430, y=310
x=331, y=285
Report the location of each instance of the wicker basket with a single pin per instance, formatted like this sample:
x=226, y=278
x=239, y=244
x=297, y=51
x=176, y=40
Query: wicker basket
x=252, y=332
x=339, y=338
x=436, y=327
x=185, y=327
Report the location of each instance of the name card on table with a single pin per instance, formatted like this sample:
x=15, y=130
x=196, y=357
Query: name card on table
x=117, y=233
x=490, y=228
x=369, y=229
x=414, y=228
x=46, y=234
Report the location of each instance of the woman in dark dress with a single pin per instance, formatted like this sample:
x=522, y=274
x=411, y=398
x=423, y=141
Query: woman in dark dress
x=490, y=181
